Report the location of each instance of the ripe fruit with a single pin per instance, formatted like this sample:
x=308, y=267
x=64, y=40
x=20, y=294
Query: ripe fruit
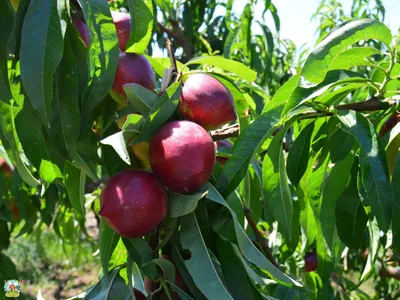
x=206, y=101
x=311, y=261
x=182, y=156
x=5, y=168
x=122, y=23
x=133, y=203
x=222, y=143
x=389, y=124
x=82, y=29
x=132, y=68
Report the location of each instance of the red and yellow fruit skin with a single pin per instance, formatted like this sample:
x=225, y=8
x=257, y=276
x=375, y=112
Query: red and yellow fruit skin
x=389, y=124
x=182, y=156
x=219, y=144
x=132, y=68
x=83, y=30
x=133, y=203
x=311, y=262
x=141, y=151
x=122, y=23
x=207, y=102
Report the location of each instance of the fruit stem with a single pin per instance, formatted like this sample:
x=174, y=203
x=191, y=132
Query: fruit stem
x=261, y=240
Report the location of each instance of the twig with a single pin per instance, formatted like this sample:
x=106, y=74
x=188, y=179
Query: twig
x=171, y=54
x=390, y=272
x=177, y=33
x=372, y=104
x=220, y=134
x=261, y=240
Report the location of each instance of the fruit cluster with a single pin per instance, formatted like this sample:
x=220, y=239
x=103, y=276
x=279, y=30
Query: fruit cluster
x=181, y=155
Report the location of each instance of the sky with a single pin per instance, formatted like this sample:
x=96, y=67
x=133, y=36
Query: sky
x=295, y=16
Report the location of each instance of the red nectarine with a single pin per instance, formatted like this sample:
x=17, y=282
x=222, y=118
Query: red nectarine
x=182, y=156
x=83, y=30
x=133, y=203
x=222, y=143
x=122, y=23
x=206, y=101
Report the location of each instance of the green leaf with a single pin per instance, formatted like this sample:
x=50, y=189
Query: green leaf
x=141, y=253
x=141, y=98
x=103, y=55
x=245, y=31
x=340, y=145
x=65, y=114
x=320, y=59
x=299, y=154
x=108, y=240
x=200, y=262
x=117, y=141
x=234, y=272
x=333, y=78
x=167, y=268
x=5, y=235
x=180, y=205
x=246, y=246
x=142, y=18
x=354, y=57
x=252, y=138
x=334, y=186
x=351, y=219
x=6, y=28
x=373, y=163
x=374, y=235
x=134, y=276
x=74, y=181
x=241, y=105
x=396, y=208
x=229, y=41
x=225, y=64
x=42, y=45
x=187, y=278
x=110, y=287
x=162, y=110
x=159, y=64
x=182, y=294
x=276, y=187
x=37, y=144
x=392, y=147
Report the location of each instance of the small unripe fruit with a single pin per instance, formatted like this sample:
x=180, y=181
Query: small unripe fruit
x=311, y=261
x=182, y=156
x=206, y=101
x=122, y=23
x=83, y=30
x=132, y=68
x=133, y=203
x=219, y=144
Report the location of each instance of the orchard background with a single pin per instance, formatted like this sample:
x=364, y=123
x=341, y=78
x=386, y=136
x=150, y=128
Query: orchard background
x=305, y=203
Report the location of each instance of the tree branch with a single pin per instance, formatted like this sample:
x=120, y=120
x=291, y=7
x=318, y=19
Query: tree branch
x=177, y=33
x=390, y=272
x=261, y=240
x=372, y=104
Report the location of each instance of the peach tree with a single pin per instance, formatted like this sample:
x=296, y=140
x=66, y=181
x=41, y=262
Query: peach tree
x=234, y=176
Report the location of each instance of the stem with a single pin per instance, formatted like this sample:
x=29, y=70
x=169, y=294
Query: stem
x=372, y=104
x=261, y=240
x=166, y=289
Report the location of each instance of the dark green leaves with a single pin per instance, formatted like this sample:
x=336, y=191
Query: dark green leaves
x=103, y=55
x=201, y=263
x=41, y=51
x=321, y=58
x=374, y=168
x=141, y=98
x=180, y=205
x=276, y=186
x=141, y=25
x=6, y=26
x=298, y=155
x=251, y=138
x=74, y=180
x=108, y=240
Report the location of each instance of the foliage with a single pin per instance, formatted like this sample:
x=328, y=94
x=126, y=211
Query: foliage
x=308, y=171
